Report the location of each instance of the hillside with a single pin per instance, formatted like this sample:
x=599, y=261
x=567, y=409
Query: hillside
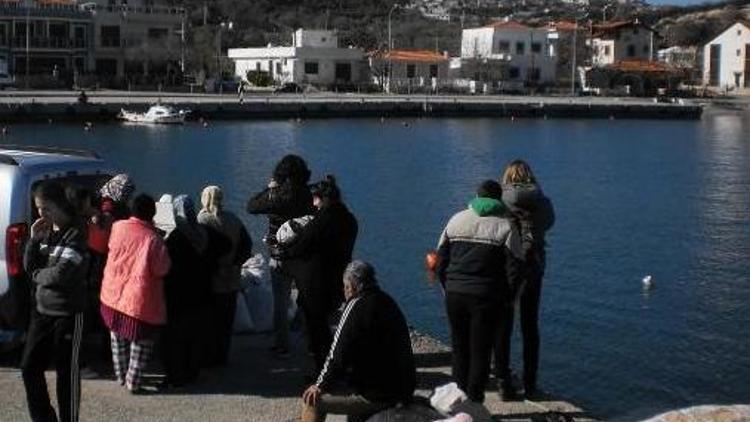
x=426, y=24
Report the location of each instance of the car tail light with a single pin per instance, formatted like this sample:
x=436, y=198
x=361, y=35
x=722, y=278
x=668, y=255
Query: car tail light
x=15, y=236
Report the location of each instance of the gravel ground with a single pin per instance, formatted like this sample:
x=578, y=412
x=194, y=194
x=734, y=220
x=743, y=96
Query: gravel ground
x=254, y=387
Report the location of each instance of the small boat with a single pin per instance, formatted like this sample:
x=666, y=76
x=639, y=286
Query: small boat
x=156, y=114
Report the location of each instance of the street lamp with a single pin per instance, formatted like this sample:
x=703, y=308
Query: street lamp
x=228, y=25
x=390, y=46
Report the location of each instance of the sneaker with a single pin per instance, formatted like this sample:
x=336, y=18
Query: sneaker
x=506, y=390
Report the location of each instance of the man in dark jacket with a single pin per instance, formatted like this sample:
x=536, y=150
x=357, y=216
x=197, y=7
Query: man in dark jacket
x=56, y=260
x=479, y=254
x=286, y=197
x=371, y=346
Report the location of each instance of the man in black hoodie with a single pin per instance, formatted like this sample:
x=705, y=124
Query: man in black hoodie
x=287, y=196
x=372, y=346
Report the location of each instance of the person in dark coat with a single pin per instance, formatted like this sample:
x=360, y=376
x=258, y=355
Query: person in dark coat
x=535, y=216
x=286, y=197
x=317, y=258
x=187, y=291
x=371, y=355
x=56, y=260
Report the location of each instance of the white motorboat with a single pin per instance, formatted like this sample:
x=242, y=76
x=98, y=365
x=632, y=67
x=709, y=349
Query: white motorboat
x=156, y=114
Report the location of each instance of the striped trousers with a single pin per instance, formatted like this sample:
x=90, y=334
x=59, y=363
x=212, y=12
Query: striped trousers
x=58, y=338
x=130, y=359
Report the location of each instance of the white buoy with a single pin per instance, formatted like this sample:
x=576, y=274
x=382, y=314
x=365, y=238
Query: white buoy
x=648, y=282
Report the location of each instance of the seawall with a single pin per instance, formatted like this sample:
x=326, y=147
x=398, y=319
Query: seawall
x=106, y=106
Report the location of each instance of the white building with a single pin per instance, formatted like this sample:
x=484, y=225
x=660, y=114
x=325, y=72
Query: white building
x=510, y=51
x=313, y=58
x=726, y=58
x=618, y=41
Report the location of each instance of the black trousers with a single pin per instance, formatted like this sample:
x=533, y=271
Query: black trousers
x=316, y=311
x=48, y=337
x=473, y=321
x=183, y=345
x=223, y=308
x=529, y=310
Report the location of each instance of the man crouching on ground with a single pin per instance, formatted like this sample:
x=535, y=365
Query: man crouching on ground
x=371, y=353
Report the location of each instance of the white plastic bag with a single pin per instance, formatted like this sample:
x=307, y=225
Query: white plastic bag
x=257, y=292
x=243, y=323
x=447, y=397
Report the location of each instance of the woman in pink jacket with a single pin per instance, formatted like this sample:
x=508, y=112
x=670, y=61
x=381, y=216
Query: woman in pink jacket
x=132, y=295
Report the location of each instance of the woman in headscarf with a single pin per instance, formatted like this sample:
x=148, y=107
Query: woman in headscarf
x=226, y=275
x=115, y=195
x=186, y=288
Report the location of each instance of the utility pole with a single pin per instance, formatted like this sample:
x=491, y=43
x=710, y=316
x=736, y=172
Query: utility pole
x=28, y=35
x=573, y=66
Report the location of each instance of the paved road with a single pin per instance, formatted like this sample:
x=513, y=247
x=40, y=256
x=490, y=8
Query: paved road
x=256, y=387
x=106, y=96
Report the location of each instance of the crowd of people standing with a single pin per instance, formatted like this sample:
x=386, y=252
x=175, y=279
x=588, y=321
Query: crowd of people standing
x=176, y=291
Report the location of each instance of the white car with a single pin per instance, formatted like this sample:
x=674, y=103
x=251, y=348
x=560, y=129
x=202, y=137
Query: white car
x=22, y=168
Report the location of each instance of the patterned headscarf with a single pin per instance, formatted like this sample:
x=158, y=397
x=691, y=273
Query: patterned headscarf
x=118, y=188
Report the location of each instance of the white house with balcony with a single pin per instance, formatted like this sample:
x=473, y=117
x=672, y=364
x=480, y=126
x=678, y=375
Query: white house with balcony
x=509, y=51
x=314, y=58
x=619, y=41
x=726, y=59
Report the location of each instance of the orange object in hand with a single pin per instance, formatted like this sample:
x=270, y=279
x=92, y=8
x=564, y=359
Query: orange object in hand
x=431, y=261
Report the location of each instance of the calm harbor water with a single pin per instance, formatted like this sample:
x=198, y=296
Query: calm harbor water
x=669, y=199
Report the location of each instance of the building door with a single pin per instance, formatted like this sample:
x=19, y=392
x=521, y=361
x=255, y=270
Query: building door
x=343, y=72
x=714, y=66
x=747, y=65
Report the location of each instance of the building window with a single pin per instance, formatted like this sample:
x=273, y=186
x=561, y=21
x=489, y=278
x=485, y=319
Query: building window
x=411, y=70
x=631, y=50
x=520, y=47
x=433, y=71
x=535, y=74
x=311, y=68
x=606, y=50
x=503, y=47
x=514, y=73
x=157, y=33
x=536, y=47
x=110, y=36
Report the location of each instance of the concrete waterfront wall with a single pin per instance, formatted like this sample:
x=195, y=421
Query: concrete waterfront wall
x=279, y=107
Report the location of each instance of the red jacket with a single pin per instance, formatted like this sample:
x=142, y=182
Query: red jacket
x=133, y=277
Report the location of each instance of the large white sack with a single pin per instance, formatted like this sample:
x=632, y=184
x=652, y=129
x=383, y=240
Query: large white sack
x=257, y=292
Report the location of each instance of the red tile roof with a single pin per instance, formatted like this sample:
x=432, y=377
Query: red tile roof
x=423, y=56
x=641, y=66
x=565, y=26
x=513, y=25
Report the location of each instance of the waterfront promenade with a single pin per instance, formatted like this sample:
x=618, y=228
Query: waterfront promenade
x=255, y=387
x=104, y=105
